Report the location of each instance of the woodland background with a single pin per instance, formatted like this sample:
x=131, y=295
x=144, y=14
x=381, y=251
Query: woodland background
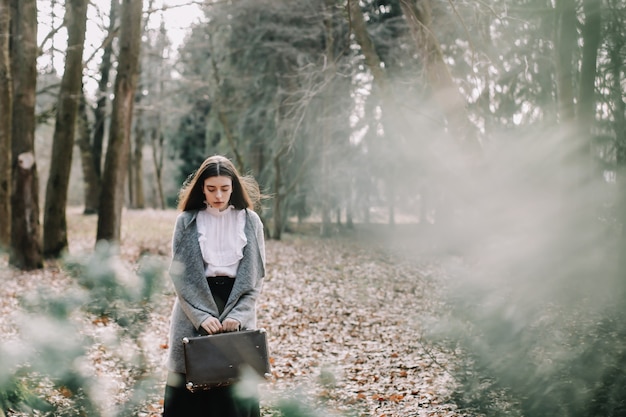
x=488, y=137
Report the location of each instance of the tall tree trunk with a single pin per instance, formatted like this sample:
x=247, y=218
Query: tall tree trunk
x=565, y=43
x=25, y=226
x=6, y=109
x=586, y=106
x=591, y=35
x=155, y=133
x=138, y=200
x=103, y=89
x=116, y=163
x=573, y=170
x=157, y=140
x=55, y=222
x=135, y=167
x=325, y=226
x=91, y=182
x=619, y=113
x=278, y=195
x=445, y=92
x=372, y=60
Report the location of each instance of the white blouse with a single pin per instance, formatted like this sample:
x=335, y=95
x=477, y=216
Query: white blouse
x=222, y=239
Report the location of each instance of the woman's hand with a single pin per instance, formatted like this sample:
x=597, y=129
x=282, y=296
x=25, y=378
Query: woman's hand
x=212, y=325
x=230, y=325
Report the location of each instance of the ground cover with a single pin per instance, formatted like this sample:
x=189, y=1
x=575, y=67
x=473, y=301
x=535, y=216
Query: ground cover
x=344, y=319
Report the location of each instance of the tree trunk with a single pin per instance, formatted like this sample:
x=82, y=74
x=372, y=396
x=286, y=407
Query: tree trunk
x=357, y=22
x=138, y=200
x=157, y=158
x=565, y=43
x=445, y=91
x=156, y=132
x=116, y=163
x=91, y=182
x=278, y=196
x=6, y=109
x=573, y=170
x=349, y=210
x=618, y=106
x=591, y=34
x=586, y=111
x=55, y=222
x=25, y=227
x=103, y=89
x=325, y=226
x=391, y=201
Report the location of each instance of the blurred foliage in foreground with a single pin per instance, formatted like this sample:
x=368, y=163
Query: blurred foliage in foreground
x=537, y=305
x=53, y=368
x=54, y=353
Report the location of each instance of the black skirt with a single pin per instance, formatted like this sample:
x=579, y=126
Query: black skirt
x=216, y=402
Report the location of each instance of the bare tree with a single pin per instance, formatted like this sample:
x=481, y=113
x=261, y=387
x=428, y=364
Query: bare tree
x=135, y=162
x=55, y=223
x=6, y=108
x=116, y=163
x=103, y=87
x=156, y=136
x=25, y=226
x=135, y=166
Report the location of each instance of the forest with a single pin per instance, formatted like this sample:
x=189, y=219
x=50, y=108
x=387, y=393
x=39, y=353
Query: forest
x=469, y=155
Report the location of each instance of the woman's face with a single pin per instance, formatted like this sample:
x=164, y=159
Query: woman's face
x=217, y=191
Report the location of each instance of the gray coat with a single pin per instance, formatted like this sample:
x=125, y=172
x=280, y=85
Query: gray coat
x=194, y=302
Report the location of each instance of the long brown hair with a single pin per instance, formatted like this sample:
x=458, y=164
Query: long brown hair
x=245, y=189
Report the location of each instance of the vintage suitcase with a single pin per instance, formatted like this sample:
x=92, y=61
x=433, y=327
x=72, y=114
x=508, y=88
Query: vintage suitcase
x=219, y=359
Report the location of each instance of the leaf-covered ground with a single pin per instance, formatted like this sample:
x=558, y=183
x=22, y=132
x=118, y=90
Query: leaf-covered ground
x=343, y=318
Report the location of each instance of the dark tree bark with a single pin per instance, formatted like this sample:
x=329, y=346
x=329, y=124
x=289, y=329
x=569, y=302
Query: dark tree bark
x=55, y=222
x=25, y=250
x=157, y=140
x=103, y=88
x=372, y=60
x=6, y=108
x=116, y=163
x=135, y=167
x=325, y=226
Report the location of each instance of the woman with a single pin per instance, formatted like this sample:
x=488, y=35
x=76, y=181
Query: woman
x=218, y=265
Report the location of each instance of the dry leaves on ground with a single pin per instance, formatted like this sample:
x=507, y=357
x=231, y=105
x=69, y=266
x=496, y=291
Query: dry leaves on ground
x=343, y=320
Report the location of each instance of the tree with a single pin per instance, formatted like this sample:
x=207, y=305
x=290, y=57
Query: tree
x=445, y=91
x=91, y=146
x=6, y=109
x=91, y=179
x=55, y=224
x=26, y=250
x=116, y=162
x=155, y=72
x=266, y=90
x=103, y=86
x=565, y=43
x=147, y=107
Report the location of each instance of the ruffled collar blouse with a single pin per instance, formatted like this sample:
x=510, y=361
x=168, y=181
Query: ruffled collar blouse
x=222, y=238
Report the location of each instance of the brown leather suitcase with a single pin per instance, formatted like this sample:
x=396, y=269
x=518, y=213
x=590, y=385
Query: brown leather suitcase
x=219, y=359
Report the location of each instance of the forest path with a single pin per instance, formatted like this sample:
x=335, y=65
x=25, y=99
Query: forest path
x=345, y=325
